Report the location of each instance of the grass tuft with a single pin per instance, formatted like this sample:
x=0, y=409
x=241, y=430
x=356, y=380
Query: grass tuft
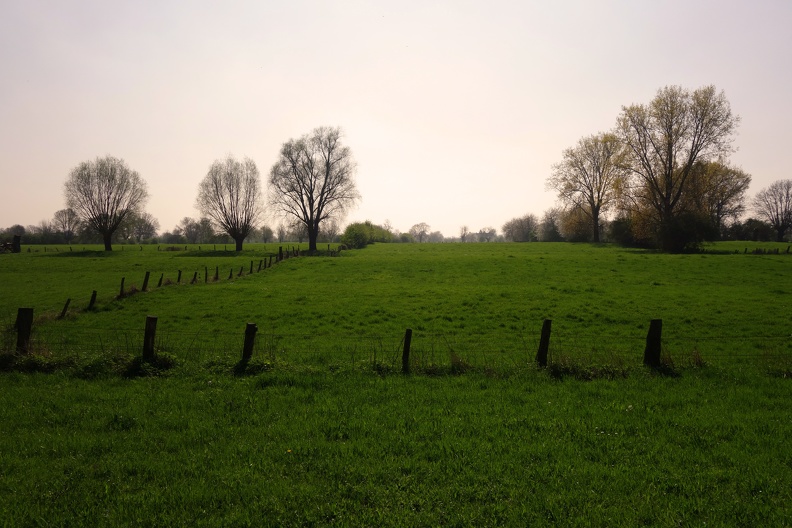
x=563, y=366
x=35, y=362
x=140, y=367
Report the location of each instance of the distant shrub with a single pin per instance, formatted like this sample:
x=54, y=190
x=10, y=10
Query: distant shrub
x=360, y=234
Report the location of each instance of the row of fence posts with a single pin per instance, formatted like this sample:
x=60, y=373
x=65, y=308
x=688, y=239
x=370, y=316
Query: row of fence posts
x=24, y=325
x=263, y=264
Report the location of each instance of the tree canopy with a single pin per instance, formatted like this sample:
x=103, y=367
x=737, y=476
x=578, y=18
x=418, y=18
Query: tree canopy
x=230, y=195
x=664, y=139
x=103, y=193
x=314, y=180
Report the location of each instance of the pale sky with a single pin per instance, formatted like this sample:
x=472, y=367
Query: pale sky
x=455, y=111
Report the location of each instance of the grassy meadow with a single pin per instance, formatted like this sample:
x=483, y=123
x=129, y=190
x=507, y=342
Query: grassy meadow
x=481, y=303
x=321, y=429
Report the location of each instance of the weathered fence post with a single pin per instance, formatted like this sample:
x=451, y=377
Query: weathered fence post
x=406, y=351
x=65, y=308
x=544, y=343
x=231, y=274
x=178, y=279
x=93, y=300
x=250, y=338
x=24, y=326
x=145, y=281
x=217, y=273
x=148, y=338
x=260, y=263
x=251, y=268
x=195, y=277
x=270, y=262
x=652, y=351
x=206, y=274
x=159, y=283
x=280, y=253
x=121, y=294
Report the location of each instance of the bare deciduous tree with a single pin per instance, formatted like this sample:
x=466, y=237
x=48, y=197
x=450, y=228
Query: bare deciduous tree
x=487, y=234
x=313, y=180
x=230, y=195
x=66, y=222
x=774, y=204
x=664, y=139
x=420, y=231
x=103, y=193
x=588, y=174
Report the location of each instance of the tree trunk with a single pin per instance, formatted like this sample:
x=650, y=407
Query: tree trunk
x=595, y=226
x=239, y=243
x=313, y=234
x=312, y=242
x=108, y=244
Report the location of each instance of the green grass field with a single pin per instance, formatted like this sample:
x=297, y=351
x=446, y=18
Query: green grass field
x=323, y=430
x=483, y=303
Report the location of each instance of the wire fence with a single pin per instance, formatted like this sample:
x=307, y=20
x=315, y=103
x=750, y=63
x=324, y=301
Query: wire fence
x=501, y=350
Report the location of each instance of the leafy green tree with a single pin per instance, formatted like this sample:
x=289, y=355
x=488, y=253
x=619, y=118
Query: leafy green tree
x=663, y=141
x=587, y=178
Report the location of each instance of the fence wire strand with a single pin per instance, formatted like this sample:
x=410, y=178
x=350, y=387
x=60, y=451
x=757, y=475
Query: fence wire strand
x=496, y=350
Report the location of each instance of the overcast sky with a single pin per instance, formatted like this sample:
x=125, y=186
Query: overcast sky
x=455, y=111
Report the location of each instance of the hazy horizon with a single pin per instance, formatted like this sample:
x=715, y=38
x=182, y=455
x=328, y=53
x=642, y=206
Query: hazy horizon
x=454, y=111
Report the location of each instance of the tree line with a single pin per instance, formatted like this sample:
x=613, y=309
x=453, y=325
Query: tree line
x=664, y=173
x=311, y=186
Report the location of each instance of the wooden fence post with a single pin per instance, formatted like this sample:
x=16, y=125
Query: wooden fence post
x=653, y=338
x=251, y=268
x=148, y=338
x=145, y=281
x=24, y=326
x=260, y=263
x=544, y=343
x=280, y=253
x=65, y=308
x=195, y=278
x=231, y=274
x=159, y=283
x=93, y=300
x=206, y=274
x=406, y=351
x=178, y=279
x=250, y=338
x=121, y=294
